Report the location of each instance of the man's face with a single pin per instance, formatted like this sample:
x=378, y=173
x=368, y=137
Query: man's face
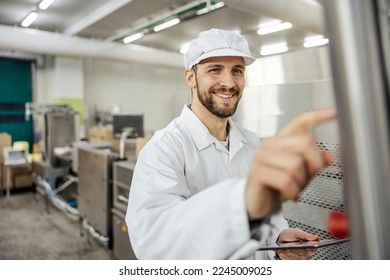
x=220, y=82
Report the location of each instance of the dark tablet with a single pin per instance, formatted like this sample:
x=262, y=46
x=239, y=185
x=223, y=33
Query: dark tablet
x=302, y=244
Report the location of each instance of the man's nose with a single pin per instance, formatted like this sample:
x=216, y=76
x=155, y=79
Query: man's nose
x=228, y=80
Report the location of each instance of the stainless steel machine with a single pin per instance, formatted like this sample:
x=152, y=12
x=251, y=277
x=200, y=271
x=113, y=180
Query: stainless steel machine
x=104, y=184
x=95, y=188
x=122, y=175
x=54, y=126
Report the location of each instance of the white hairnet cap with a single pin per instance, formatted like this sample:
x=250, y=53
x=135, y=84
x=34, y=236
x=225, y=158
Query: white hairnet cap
x=217, y=42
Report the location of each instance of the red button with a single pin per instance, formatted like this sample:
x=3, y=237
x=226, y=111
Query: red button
x=338, y=224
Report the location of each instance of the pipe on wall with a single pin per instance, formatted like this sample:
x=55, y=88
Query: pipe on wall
x=44, y=42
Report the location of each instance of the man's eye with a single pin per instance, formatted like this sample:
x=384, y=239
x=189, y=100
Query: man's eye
x=238, y=71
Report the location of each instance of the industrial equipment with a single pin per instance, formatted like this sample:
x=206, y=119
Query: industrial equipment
x=133, y=123
x=54, y=126
x=95, y=188
x=324, y=194
x=122, y=175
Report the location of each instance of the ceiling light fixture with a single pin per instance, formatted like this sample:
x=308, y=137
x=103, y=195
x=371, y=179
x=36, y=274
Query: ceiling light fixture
x=29, y=19
x=45, y=4
x=184, y=48
x=315, y=41
x=217, y=5
x=267, y=29
x=273, y=49
x=166, y=24
x=152, y=23
x=133, y=37
x=210, y=8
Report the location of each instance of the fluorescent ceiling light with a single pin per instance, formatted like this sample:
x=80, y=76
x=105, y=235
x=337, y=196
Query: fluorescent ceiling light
x=133, y=37
x=210, y=8
x=202, y=11
x=29, y=19
x=184, y=48
x=274, y=49
x=315, y=42
x=218, y=5
x=45, y=4
x=273, y=28
x=167, y=24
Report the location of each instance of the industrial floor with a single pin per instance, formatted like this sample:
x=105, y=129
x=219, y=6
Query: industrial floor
x=28, y=232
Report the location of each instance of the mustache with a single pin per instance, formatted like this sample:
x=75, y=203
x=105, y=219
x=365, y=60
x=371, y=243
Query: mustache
x=222, y=90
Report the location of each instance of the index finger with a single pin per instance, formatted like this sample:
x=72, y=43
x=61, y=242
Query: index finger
x=309, y=120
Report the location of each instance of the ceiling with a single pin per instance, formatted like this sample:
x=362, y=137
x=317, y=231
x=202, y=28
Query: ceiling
x=111, y=20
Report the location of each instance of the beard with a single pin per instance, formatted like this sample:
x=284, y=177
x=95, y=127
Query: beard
x=220, y=111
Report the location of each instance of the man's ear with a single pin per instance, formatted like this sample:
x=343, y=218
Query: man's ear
x=189, y=75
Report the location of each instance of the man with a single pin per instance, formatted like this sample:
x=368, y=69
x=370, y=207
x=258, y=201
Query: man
x=203, y=187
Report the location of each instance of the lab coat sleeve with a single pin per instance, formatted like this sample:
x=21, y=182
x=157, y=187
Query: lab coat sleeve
x=269, y=232
x=165, y=221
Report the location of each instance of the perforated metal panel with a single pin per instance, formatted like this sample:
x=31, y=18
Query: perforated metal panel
x=326, y=190
x=325, y=193
x=335, y=252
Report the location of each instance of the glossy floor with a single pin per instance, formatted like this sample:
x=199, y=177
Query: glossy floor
x=28, y=232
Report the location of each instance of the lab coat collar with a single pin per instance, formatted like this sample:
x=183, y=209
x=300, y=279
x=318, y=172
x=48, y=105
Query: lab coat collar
x=202, y=140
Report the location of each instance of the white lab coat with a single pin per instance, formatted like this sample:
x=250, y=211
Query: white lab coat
x=186, y=199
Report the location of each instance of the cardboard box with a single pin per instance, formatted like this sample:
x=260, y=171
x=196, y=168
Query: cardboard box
x=5, y=141
x=139, y=144
x=21, y=169
x=12, y=171
x=1, y=174
x=116, y=144
x=100, y=134
x=25, y=180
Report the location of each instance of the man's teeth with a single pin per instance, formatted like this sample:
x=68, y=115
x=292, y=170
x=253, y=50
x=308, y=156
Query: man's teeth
x=224, y=96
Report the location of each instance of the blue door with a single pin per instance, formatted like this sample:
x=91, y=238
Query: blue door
x=15, y=91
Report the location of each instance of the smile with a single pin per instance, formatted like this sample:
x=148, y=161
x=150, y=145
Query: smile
x=224, y=95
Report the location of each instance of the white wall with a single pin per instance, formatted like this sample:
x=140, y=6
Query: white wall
x=61, y=77
x=155, y=91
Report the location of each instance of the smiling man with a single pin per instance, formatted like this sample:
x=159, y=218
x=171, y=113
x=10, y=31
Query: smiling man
x=204, y=187
x=218, y=84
